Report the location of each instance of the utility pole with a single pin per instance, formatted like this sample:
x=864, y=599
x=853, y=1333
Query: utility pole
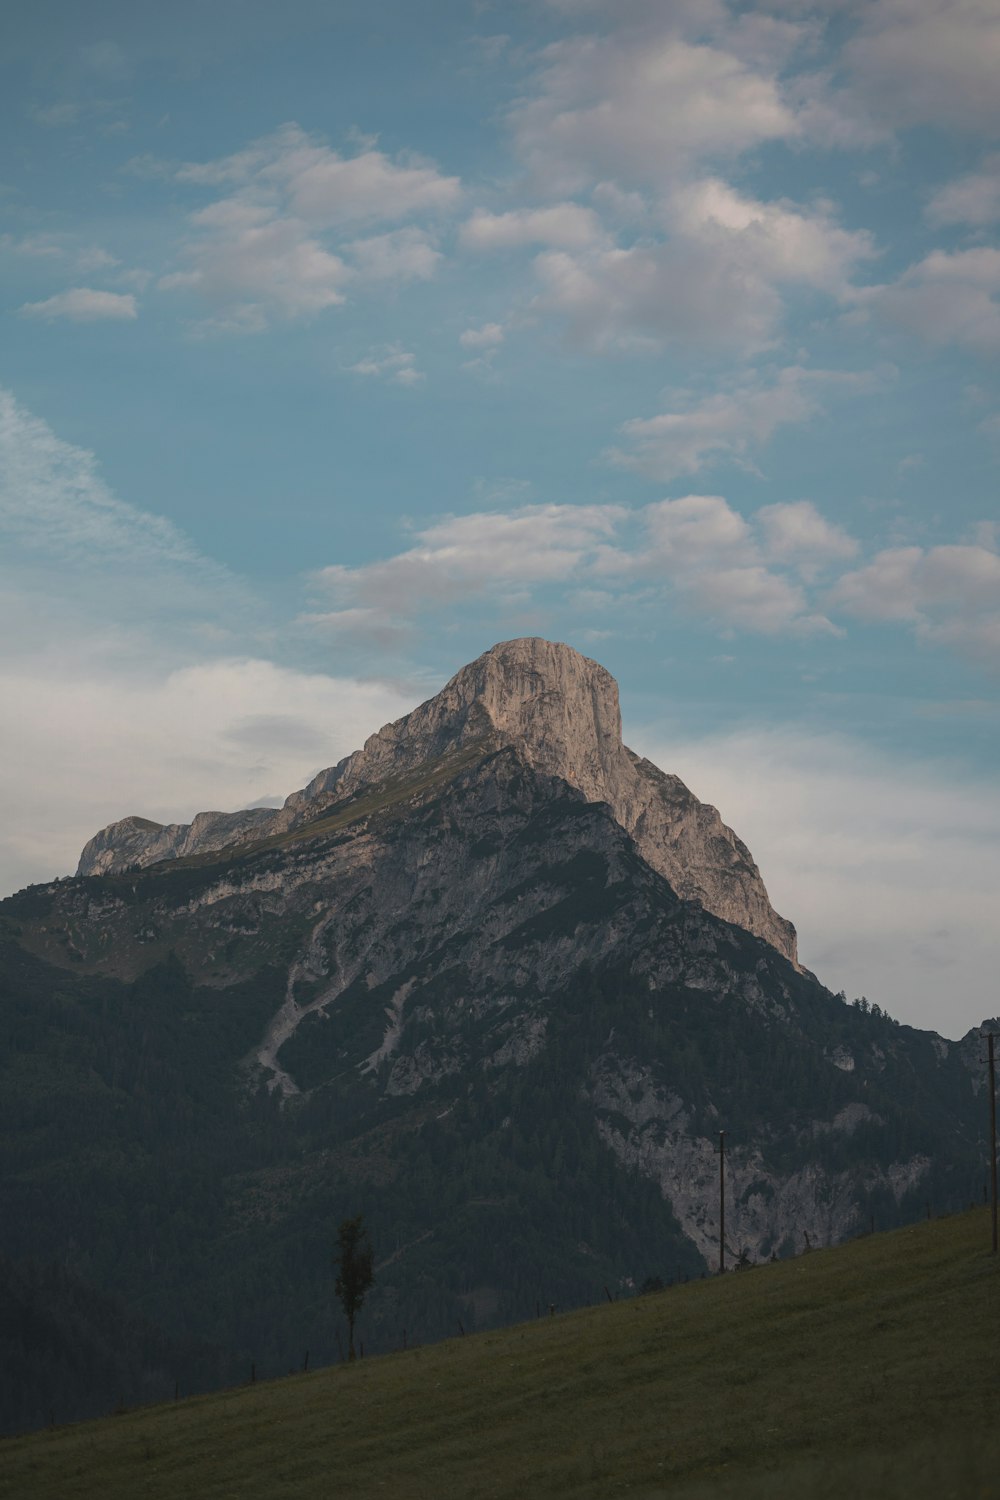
x=721, y=1149
x=993, y=1130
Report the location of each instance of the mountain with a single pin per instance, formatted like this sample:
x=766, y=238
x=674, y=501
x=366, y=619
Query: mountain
x=493, y=981
x=559, y=712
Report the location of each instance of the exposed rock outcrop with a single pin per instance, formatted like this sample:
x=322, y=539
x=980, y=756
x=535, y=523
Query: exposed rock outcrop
x=559, y=711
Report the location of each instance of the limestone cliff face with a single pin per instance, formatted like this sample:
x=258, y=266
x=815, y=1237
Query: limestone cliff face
x=559, y=711
x=138, y=841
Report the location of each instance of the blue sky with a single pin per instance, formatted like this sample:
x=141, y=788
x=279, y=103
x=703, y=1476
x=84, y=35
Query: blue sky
x=339, y=341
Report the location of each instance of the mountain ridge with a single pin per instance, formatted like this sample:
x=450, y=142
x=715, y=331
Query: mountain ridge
x=560, y=710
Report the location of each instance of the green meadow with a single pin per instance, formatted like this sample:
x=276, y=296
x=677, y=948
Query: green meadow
x=872, y=1369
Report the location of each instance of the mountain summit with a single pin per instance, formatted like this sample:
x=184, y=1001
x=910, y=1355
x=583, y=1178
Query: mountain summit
x=559, y=711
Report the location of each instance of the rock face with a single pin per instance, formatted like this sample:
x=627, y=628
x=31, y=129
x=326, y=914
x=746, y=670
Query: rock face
x=138, y=841
x=559, y=712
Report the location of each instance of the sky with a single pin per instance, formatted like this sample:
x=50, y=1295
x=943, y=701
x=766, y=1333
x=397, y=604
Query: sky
x=339, y=341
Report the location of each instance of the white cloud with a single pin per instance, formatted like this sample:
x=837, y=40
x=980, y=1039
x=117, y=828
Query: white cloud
x=646, y=296
x=950, y=595
x=751, y=598
x=972, y=199
x=730, y=424
x=697, y=529
x=639, y=107
x=725, y=567
x=393, y=361
x=947, y=298
x=321, y=187
x=928, y=61
x=400, y=255
x=797, y=534
x=777, y=241
x=95, y=258
x=463, y=557
x=566, y=225
x=737, y=573
x=887, y=867
x=54, y=501
x=716, y=281
x=489, y=336
x=257, y=264
x=83, y=304
x=273, y=247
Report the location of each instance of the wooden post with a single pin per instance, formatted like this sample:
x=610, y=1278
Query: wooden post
x=722, y=1201
x=993, y=1132
x=305, y=1364
x=253, y=1373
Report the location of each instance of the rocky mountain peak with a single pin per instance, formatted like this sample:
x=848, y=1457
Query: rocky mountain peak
x=557, y=708
x=559, y=711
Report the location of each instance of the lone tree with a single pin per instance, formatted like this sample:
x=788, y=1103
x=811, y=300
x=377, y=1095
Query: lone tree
x=353, y=1261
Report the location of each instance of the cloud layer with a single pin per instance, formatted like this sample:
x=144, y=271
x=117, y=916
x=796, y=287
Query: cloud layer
x=785, y=570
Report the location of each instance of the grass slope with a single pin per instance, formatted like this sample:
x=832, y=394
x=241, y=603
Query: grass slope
x=867, y=1370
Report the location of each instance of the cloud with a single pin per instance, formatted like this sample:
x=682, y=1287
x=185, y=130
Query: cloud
x=274, y=246
x=798, y=535
x=936, y=62
x=777, y=241
x=401, y=255
x=638, y=107
x=464, y=557
x=739, y=574
x=54, y=116
x=86, y=747
x=259, y=264
x=887, y=867
x=392, y=361
x=567, y=225
x=321, y=187
x=717, y=280
x=54, y=502
x=83, y=304
x=729, y=424
x=36, y=246
x=949, y=595
x=751, y=598
x=489, y=336
x=950, y=297
x=734, y=571
x=785, y=569
x=972, y=199
x=131, y=679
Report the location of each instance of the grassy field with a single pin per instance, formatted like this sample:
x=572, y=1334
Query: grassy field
x=868, y=1370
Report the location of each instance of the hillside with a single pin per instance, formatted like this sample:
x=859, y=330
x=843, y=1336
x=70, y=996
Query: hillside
x=867, y=1370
